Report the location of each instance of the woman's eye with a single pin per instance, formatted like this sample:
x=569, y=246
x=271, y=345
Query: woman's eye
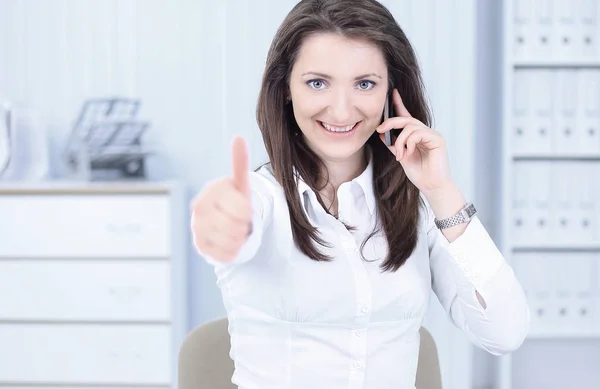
x=366, y=85
x=316, y=84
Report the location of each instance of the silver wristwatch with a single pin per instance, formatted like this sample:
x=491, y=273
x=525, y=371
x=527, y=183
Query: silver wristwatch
x=463, y=216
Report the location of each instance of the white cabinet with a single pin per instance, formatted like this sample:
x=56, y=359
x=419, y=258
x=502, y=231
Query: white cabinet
x=92, y=284
x=551, y=197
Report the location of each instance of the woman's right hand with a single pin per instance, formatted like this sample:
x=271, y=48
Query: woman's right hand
x=222, y=212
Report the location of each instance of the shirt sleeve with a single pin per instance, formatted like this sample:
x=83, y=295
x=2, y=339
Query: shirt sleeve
x=473, y=264
x=262, y=208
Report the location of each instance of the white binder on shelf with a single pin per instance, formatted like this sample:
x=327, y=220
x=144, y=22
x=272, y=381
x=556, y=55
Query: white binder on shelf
x=541, y=122
x=540, y=280
x=524, y=34
x=562, y=199
x=561, y=315
x=583, y=281
x=588, y=28
x=565, y=17
x=543, y=29
x=538, y=229
x=521, y=204
x=522, y=132
x=586, y=197
x=588, y=111
x=564, y=139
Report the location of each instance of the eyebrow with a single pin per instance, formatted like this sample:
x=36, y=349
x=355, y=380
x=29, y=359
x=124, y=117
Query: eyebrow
x=325, y=76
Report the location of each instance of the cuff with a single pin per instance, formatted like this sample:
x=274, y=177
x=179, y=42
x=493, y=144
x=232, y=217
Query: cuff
x=476, y=254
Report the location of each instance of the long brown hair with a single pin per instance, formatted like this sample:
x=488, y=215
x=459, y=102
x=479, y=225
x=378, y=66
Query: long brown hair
x=396, y=197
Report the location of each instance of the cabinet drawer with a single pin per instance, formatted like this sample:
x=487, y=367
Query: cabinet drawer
x=84, y=225
x=85, y=290
x=85, y=354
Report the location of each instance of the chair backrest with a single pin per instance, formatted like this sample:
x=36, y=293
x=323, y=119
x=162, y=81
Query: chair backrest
x=204, y=361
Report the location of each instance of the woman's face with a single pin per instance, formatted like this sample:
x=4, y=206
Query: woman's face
x=338, y=88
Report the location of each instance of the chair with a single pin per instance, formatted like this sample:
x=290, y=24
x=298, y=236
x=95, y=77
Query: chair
x=204, y=361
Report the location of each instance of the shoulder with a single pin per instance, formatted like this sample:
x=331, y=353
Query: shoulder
x=262, y=180
x=265, y=188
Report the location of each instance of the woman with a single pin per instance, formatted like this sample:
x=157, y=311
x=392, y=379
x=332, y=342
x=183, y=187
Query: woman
x=327, y=255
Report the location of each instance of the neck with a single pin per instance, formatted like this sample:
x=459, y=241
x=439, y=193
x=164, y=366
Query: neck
x=340, y=171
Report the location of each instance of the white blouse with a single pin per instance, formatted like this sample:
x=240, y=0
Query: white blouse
x=300, y=324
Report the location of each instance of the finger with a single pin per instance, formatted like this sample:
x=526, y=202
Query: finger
x=412, y=141
x=235, y=204
x=232, y=229
x=240, y=165
x=419, y=137
x=399, y=104
x=227, y=242
x=400, y=144
x=217, y=230
x=397, y=122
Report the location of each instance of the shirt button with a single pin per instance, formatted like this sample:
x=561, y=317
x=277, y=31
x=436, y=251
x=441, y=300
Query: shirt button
x=358, y=333
x=364, y=309
x=357, y=365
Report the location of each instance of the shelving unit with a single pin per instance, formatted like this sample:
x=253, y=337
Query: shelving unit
x=551, y=196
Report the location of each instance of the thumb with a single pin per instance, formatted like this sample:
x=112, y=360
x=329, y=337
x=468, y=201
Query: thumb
x=240, y=165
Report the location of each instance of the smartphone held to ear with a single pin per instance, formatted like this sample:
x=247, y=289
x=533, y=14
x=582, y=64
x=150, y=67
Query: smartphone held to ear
x=388, y=111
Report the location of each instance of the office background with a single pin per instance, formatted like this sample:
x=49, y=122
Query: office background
x=196, y=66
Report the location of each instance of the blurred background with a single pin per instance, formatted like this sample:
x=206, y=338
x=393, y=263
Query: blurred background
x=115, y=113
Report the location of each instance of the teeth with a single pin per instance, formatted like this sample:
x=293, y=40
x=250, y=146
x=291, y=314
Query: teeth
x=338, y=129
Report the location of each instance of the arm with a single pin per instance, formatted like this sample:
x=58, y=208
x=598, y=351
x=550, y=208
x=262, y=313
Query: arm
x=474, y=283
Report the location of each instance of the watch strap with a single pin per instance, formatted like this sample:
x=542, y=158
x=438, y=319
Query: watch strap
x=463, y=216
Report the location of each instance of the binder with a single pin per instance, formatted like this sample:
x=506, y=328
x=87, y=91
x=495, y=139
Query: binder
x=588, y=28
x=564, y=139
x=562, y=202
x=541, y=279
x=564, y=47
x=523, y=29
x=588, y=112
x=542, y=29
x=520, y=204
x=522, y=135
x=541, y=123
x=584, y=295
x=538, y=214
x=585, y=175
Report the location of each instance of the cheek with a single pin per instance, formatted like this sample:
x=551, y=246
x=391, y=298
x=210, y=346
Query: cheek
x=305, y=109
x=373, y=109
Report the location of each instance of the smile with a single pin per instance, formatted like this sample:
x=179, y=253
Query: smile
x=340, y=129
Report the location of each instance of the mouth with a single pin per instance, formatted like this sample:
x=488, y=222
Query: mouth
x=338, y=130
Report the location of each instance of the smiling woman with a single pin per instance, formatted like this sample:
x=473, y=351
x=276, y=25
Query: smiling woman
x=327, y=256
x=338, y=87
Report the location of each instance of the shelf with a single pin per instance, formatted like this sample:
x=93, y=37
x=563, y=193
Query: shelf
x=557, y=63
x=551, y=246
x=556, y=157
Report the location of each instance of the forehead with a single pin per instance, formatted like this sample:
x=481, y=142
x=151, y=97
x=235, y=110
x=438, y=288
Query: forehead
x=340, y=56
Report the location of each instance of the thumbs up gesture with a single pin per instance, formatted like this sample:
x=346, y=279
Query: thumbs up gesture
x=222, y=212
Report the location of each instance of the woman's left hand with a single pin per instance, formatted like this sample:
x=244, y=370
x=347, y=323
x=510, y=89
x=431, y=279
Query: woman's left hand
x=420, y=150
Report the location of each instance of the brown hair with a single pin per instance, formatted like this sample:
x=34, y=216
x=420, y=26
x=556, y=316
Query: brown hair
x=396, y=197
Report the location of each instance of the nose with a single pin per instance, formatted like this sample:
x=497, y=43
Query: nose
x=341, y=107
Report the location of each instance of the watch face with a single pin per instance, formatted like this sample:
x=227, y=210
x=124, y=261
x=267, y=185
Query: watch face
x=470, y=210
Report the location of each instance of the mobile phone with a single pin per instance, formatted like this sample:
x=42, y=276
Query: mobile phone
x=388, y=112
x=386, y=115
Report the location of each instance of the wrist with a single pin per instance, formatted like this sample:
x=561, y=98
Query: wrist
x=445, y=201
